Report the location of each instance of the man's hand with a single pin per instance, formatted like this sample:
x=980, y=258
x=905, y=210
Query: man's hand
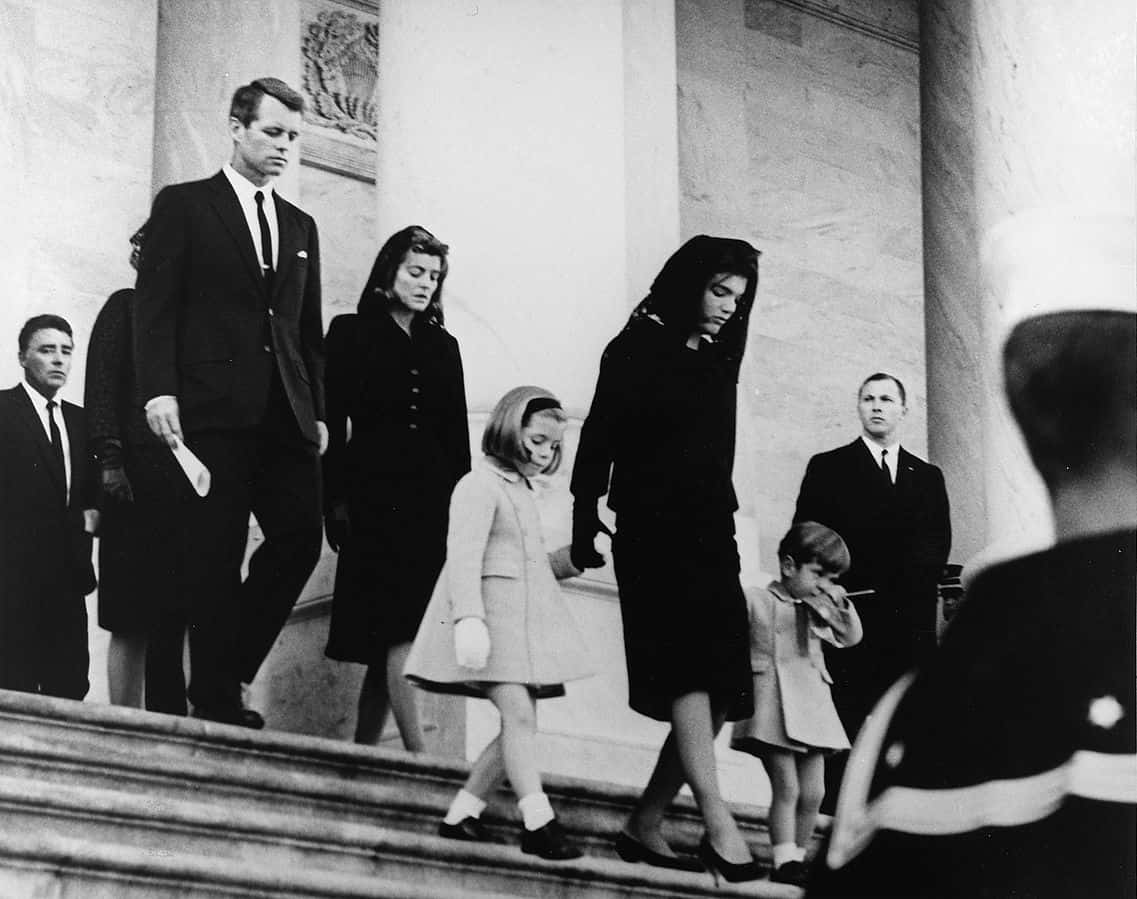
x=322, y=430
x=162, y=417
x=91, y=521
x=471, y=643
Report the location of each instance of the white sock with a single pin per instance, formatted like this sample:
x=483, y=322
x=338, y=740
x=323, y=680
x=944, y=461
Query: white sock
x=784, y=852
x=465, y=805
x=799, y=854
x=535, y=810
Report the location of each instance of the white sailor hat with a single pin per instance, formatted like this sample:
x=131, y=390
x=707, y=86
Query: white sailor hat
x=1041, y=262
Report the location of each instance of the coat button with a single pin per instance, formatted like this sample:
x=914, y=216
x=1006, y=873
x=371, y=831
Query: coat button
x=414, y=408
x=414, y=371
x=416, y=390
x=268, y=349
x=413, y=426
x=272, y=312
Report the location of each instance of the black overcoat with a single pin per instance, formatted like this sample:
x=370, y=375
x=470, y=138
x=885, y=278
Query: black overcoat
x=405, y=398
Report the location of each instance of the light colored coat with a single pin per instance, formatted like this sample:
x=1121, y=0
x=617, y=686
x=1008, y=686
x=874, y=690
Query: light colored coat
x=497, y=569
x=792, y=698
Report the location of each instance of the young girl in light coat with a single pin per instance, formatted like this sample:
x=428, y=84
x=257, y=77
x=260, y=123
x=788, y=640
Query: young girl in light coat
x=795, y=722
x=497, y=624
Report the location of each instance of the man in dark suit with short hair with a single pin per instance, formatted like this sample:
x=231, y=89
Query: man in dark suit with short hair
x=45, y=549
x=892, y=509
x=228, y=348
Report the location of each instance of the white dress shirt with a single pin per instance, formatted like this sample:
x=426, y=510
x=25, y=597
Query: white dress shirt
x=890, y=460
x=246, y=196
x=39, y=403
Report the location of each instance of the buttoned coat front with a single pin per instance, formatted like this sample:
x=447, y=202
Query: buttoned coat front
x=498, y=569
x=790, y=677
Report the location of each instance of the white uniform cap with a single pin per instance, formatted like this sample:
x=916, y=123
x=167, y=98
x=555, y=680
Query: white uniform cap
x=1061, y=260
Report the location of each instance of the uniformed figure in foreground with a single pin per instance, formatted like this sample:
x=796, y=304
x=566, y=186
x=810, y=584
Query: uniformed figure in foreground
x=1005, y=767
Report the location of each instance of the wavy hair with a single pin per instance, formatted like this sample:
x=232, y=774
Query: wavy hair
x=412, y=239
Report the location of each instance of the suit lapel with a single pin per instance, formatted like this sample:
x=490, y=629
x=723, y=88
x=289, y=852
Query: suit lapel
x=27, y=415
x=228, y=208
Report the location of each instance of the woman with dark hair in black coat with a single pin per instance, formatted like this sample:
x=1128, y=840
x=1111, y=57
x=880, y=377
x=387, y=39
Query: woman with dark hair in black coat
x=659, y=441
x=394, y=373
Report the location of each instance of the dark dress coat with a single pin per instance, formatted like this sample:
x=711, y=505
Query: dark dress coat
x=899, y=537
x=659, y=441
x=1008, y=766
x=405, y=397
x=140, y=541
x=45, y=554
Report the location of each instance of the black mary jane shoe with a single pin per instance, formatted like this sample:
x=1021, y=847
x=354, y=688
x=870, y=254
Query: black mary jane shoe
x=549, y=842
x=731, y=872
x=790, y=872
x=632, y=850
x=469, y=830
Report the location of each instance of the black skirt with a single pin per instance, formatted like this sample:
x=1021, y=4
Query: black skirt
x=685, y=622
x=143, y=546
x=388, y=567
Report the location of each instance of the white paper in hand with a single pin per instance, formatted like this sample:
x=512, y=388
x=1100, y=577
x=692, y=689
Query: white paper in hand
x=197, y=473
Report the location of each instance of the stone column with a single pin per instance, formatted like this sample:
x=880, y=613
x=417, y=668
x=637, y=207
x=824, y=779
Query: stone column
x=1028, y=145
x=540, y=141
x=206, y=50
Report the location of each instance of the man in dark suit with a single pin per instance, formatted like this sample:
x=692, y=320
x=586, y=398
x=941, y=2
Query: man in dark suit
x=228, y=347
x=45, y=549
x=892, y=509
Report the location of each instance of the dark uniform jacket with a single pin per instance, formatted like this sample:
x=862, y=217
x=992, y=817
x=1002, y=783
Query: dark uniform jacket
x=1006, y=769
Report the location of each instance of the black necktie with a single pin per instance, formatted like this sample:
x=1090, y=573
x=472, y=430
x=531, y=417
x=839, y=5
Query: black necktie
x=884, y=467
x=266, y=240
x=56, y=442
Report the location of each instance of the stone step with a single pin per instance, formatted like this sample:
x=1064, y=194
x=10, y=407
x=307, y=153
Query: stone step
x=238, y=842
x=163, y=757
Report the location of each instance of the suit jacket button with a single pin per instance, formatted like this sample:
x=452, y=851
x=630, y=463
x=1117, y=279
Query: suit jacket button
x=268, y=349
x=413, y=426
x=414, y=371
x=272, y=312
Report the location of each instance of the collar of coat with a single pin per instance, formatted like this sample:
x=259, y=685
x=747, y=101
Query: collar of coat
x=507, y=474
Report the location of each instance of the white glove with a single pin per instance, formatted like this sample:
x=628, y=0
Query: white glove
x=471, y=643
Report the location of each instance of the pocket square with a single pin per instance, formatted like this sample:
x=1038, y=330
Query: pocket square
x=303, y=254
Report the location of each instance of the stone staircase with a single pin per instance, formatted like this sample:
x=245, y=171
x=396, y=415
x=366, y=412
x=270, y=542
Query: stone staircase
x=100, y=802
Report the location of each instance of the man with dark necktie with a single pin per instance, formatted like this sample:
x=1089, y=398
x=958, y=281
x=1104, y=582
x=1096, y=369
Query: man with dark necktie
x=45, y=547
x=892, y=509
x=228, y=348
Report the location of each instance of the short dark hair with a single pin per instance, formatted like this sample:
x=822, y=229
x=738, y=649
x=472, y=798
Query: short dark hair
x=808, y=541
x=412, y=239
x=247, y=98
x=42, y=322
x=885, y=376
x=1070, y=382
x=502, y=436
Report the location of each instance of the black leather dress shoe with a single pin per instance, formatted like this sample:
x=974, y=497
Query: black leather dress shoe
x=469, y=830
x=549, y=842
x=237, y=715
x=632, y=850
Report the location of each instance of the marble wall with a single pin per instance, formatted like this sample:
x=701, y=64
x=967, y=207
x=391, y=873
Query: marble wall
x=801, y=134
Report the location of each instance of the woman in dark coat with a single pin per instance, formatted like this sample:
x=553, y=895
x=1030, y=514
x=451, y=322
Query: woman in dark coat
x=395, y=373
x=141, y=497
x=662, y=424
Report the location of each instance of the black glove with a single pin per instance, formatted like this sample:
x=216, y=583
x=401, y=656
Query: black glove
x=586, y=524
x=116, y=485
x=337, y=524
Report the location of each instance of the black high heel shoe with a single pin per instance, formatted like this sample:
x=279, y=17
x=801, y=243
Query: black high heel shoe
x=632, y=850
x=732, y=872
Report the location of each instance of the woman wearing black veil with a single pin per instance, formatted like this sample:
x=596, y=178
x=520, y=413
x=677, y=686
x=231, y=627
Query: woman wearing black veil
x=395, y=373
x=659, y=441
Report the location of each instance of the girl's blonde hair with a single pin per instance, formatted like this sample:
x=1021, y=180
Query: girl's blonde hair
x=502, y=437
